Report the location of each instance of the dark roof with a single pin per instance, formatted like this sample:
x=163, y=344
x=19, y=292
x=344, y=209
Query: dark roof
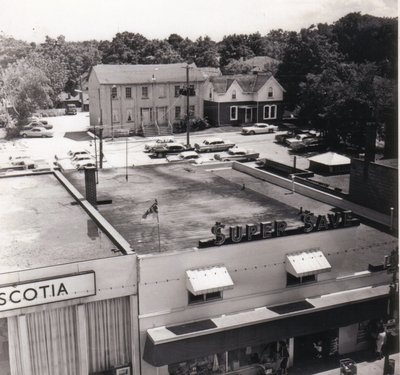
x=248, y=82
x=136, y=74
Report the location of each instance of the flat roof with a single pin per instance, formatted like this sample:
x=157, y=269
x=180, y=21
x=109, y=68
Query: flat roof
x=190, y=201
x=43, y=225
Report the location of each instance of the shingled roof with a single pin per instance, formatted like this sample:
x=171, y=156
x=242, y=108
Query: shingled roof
x=248, y=82
x=136, y=74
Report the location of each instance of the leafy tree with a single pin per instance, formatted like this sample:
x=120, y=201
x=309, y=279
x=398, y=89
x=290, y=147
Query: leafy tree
x=235, y=47
x=159, y=52
x=275, y=43
x=205, y=52
x=175, y=41
x=26, y=87
x=237, y=67
x=12, y=50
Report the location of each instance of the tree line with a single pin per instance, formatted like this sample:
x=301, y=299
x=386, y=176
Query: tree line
x=337, y=76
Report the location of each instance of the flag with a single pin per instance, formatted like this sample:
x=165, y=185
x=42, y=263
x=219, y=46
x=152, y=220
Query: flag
x=153, y=210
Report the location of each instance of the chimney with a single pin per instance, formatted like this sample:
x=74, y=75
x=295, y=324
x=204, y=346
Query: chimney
x=90, y=185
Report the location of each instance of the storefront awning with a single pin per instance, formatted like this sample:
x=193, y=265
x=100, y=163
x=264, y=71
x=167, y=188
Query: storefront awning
x=208, y=280
x=304, y=263
x=261, y=326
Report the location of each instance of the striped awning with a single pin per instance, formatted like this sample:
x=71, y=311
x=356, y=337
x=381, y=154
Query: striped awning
x=305, y=263
x=208, y=280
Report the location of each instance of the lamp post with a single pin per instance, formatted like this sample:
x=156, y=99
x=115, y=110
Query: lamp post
x=112, y=117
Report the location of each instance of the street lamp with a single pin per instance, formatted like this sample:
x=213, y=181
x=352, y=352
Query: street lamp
x=111, y=106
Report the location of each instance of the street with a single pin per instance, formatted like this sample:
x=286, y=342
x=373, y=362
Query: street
x=121, y=151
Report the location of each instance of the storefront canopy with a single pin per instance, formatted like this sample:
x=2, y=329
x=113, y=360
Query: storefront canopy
x=307, y=263
x=261, y=326
x=208, y=280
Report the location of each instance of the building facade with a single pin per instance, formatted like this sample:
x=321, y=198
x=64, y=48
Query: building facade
x=243, y=99
x=142, y=98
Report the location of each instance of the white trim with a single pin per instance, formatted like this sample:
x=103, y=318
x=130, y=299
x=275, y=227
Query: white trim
x=230, y=112
x=269, y=112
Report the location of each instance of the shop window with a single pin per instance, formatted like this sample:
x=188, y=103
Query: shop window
x=128, y=92
x=114, y=92
x=234, y=94
x=207, y=297
x=269, y=112
x=234, y=113
x=145, y=92
x=176, y=94
x=270, y=92
x=177, y=112
x=293, y=280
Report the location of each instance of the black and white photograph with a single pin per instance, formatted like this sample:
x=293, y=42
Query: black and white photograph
x=199, y=187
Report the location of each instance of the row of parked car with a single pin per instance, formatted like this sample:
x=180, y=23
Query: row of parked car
x=167, y=147
x=36, y=128
x=302, y=140
x=79, y=159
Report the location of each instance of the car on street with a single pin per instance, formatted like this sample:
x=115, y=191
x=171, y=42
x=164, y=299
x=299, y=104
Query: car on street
x=259, y=128
x=237, y=154
x=159, y=141
x=39, y=124
x=168, y=148
x=309, y=144
x=36, y=131
x=80, y=158
x=70, y=109
x=185, y=156
x=86, y=164
x=23, y=160
x=213, y=144
x=299, y=138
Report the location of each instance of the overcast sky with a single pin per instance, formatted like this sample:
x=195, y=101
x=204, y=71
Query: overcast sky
x=31, y=20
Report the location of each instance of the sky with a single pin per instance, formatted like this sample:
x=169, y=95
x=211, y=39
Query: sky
x=77, y=20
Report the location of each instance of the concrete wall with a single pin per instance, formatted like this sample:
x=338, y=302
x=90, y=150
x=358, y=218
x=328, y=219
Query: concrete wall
x=374, y=186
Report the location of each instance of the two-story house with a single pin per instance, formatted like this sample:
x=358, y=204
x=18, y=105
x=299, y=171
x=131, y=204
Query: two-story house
x=142, y=99
x=243, y=99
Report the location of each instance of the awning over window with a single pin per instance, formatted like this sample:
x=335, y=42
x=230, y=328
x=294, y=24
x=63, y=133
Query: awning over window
x=208, y=280
x=304, y=263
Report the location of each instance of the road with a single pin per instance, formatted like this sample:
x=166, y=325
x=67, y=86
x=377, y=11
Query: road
x=129, y=151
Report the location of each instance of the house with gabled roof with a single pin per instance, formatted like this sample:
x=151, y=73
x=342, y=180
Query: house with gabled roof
x=142, y=99
x=243, y=99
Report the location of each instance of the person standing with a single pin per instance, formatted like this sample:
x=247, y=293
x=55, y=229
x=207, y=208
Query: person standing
x=284, y=355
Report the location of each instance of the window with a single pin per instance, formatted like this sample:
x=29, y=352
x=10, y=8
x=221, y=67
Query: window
x=191, y=110
x=234, y=94
x=162, y=93
x=114, y=92
x=207, y=297
x=177, y=88
x=128, y=92
x=177, y=112
x=270, y=92
x=145, y=92
x=210, y=95
x=115, y=116
x=234, y=113
x=293, y=280
x=269, y=112
x=129, y=115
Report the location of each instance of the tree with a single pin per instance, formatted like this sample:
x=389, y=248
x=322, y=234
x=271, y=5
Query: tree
x=235, y=47
x=159, y=52
x=237, y=67
x=12, y=50
x=205, y=52
x=26, y=87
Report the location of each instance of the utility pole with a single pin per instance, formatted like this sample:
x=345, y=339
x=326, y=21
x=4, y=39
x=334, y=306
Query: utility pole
x=101, y=146
x=187, y=107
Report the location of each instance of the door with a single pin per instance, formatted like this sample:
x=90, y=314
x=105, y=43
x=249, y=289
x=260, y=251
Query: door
x=248, y=115
x=162, y=115
x=146, y=116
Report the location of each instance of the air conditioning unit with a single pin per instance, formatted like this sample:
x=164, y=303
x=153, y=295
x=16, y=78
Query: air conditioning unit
x=123, y=371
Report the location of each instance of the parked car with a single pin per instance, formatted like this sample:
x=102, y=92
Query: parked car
x=85, y=164
x=36, y=131
x=185, y=156
x=309, y=144
x=168, y=148
x=22, y=160
x=259, y=128
x=299, y=138
x=237, y=154
x=72, y=153
x=80, y=158
x=39, y=124
x=70, y=109
x=37, y=119
x=213, y=144
x=160, y=141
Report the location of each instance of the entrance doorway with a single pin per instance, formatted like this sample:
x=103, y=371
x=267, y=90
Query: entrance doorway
x=145, y=114
x=162, y=115
x=248, y=115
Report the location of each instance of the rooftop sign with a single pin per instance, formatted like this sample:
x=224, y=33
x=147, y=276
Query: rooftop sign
x=43, y=291
x=279, y=228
